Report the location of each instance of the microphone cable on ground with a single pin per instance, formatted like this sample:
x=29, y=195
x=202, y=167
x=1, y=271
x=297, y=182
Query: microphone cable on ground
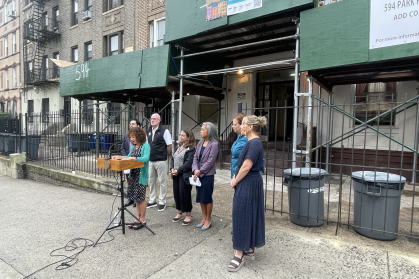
x=78, y=245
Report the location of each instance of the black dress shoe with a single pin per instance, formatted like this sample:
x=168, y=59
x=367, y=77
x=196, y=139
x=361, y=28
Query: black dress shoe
x=135, y=204
x=129, y=202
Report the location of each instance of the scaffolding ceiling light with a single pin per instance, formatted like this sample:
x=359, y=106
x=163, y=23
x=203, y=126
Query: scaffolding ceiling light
x=236, y=69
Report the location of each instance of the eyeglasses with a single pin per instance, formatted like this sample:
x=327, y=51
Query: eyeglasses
x=154, y=118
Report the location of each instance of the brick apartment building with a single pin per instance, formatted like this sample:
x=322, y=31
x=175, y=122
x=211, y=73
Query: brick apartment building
x=78, y=31
x=10, y=62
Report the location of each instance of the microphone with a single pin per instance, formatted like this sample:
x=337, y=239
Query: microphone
x=115, y=143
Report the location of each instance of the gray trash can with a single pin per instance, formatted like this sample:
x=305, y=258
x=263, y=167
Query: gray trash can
x=33, y=147
x=377, y=203
x=305, y=195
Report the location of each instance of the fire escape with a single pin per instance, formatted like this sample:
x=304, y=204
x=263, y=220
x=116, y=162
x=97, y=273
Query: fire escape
x=38, y=31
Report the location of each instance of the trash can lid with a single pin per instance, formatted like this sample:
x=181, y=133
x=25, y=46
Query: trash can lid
x=377, y=176
x=305, y=172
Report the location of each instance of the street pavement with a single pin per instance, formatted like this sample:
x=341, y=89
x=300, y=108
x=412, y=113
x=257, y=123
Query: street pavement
x=37, y=218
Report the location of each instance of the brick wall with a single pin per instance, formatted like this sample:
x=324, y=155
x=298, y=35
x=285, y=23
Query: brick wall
x=147, y=11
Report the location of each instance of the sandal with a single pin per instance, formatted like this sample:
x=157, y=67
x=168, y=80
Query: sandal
x=175, y=220
x=184, y=223
x=139, y=226
x=131, y=226
x=236, y=267
x=249, y=255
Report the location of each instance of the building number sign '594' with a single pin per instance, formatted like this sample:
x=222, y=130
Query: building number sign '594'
x=82, y=71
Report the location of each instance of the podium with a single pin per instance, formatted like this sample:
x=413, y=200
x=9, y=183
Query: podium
x=120, y=166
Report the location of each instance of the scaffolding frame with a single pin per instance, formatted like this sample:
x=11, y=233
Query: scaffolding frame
x=226, y=71
x=297, y=94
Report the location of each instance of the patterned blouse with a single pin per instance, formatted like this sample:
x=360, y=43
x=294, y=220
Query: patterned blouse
x=178, y=157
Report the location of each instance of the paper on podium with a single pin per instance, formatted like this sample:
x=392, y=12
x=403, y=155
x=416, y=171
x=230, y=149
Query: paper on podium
x=196, y=183
x=127, y=171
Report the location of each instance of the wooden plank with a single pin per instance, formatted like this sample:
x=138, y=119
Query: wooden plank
x=119, y=165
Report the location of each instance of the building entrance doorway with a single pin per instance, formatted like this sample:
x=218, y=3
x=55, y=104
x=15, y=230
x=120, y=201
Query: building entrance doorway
x=275, y=90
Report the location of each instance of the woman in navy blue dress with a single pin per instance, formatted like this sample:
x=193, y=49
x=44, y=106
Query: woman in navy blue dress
x=248, y=206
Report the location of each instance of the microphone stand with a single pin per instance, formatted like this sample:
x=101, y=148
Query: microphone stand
x=122, y=209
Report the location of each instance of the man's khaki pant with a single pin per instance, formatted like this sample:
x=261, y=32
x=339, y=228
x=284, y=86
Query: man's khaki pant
x=158, y=170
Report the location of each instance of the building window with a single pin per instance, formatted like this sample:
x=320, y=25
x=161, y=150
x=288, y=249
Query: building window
x=5, y=12
x=87, y=112
x=14, y=43
x=28, y=31
x=89, y=5
x=14, y=77
x=6, y=79
x=114, y=44
x=30, y=111
x=88, y=51
x=113, y=112
x=6, y=48
x=14, y=108
x=75, y=54
x=56, y=18
x=9, y=110
x=14, y=5
x=1, y=107
x=157, y=31
x=112, y=4
x=45, y=70
x=75, y=12
x=373, y=99
x=45, y=110
x=29, y=72
x=56, y=69
x=45, y=21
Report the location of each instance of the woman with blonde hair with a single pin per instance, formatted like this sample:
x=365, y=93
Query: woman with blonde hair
x=181, y=169
x=248, y=206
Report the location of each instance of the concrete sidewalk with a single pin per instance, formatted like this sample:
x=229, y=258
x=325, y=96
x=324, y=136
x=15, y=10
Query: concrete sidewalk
x=37, y=218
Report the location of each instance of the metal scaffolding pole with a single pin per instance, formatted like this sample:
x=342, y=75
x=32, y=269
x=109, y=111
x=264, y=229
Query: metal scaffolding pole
x=296, y=90
x=97, y=129
x=309, y=121
x=182, y=49
x=173, y=122
x=328, y=133
x=239, y=46
x=415, y=155
x=318, y=128
x=235, y=69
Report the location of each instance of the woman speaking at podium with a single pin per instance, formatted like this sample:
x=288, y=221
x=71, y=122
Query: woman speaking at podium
x=138, y=178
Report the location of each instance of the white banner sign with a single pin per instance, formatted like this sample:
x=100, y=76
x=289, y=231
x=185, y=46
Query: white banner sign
x=239, y=6
x=393, y=23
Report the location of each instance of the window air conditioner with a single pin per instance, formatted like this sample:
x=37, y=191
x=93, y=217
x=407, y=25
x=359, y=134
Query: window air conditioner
x=87, y=15
x=11, y=14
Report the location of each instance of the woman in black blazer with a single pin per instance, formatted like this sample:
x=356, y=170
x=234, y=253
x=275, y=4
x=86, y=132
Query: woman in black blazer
x=181, y=169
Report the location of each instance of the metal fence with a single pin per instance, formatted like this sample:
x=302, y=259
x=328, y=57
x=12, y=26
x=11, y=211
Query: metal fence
x=73, y=140
x=360, y=135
